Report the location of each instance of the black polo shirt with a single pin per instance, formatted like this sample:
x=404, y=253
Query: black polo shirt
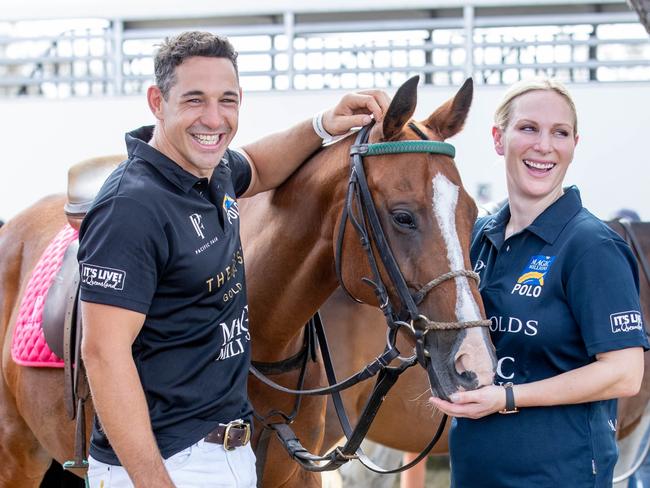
x=559, y=292
x=162, y=242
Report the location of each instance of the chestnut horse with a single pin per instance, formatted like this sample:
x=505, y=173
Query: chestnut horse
x=289, y=237
x=349, y=326
x=292, y=272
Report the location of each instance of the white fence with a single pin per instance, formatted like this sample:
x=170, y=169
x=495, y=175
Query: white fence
x=295, y=49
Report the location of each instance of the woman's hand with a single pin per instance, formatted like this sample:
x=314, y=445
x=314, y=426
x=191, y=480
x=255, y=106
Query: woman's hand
x=473, y=404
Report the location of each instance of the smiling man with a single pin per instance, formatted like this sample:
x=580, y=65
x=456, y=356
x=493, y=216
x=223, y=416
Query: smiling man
x=166, y=342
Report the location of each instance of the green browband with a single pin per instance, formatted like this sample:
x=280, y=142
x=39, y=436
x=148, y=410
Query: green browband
x=396, y=147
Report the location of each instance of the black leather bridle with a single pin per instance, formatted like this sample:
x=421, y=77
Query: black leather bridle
x=366, y=223
x=359, y=209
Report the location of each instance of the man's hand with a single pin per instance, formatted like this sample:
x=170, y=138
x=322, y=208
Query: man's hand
x=355, y=110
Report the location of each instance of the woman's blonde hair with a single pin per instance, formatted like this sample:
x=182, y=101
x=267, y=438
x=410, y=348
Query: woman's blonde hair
x=504, y=110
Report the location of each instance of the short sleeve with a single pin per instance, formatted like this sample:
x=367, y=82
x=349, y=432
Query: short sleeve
x=603, y=295
x=240, y=171
x=122, y=251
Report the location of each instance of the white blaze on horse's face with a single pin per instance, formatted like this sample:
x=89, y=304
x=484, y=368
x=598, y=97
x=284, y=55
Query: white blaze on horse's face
x=445, y=198
x=468, y=357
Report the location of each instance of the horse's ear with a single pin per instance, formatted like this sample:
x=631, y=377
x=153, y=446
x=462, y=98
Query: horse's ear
x=401, y=108
x=450, y=117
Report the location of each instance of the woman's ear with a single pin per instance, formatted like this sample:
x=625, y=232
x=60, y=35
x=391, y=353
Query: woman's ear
x=497, y=136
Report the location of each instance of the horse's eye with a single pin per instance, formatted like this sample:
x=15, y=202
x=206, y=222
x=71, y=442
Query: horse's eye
x=404, y=219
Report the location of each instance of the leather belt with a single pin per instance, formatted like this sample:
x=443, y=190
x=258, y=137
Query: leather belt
x=233, y=434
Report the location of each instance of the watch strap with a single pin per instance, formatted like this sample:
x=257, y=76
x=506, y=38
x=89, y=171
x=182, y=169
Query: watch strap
x=510, y=400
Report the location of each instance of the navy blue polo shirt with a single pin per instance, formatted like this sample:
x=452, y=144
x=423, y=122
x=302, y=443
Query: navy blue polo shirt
x=163, y=242
x=559, y=292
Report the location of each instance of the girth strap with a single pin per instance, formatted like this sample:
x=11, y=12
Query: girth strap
x=70, y=351
x=79, y=463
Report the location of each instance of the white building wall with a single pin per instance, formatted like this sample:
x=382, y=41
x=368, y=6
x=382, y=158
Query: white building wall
x=40, y=139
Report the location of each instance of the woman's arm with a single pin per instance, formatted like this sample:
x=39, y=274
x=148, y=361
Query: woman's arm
x=614, y=374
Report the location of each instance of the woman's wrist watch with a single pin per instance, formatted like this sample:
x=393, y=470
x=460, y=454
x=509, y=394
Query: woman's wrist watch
x=510, y=400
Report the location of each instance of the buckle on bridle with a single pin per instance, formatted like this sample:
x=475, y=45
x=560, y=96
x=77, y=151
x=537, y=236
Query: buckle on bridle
x=236, y=424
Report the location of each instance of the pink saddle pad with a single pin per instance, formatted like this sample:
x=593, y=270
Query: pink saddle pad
x=28, y=347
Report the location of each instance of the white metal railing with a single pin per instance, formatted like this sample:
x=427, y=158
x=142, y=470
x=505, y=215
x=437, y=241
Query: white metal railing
x=115, y=58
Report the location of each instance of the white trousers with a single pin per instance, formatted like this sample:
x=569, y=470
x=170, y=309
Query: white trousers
x=202, y=465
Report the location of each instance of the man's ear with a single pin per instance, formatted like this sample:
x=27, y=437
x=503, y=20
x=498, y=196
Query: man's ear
x=155, y=100
x=497, y=136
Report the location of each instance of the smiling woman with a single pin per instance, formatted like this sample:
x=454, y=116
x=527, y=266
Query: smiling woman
x=537, y=125
x=563, y=356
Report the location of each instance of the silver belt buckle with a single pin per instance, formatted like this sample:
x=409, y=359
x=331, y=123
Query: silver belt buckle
x=237, y=424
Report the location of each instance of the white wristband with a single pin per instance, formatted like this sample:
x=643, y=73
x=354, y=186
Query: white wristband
x=317, y=124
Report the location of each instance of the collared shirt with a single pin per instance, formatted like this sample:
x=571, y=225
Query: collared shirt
x=163, y=242
x=559, y=292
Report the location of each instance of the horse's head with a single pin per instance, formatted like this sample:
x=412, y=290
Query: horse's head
x=426, y=217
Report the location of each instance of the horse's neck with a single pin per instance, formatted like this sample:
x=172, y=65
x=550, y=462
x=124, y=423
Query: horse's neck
x=288, y=245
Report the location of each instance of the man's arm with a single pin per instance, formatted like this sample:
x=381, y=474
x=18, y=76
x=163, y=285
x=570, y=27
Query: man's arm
x=117, y=393
x=275, y=157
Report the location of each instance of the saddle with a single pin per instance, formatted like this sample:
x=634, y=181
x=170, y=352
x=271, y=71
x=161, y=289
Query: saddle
x=62, y=325
x=84, y=181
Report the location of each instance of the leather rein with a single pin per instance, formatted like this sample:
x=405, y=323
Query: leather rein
x=359, y=209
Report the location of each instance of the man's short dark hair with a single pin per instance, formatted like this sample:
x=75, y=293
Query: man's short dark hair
x=174, y=50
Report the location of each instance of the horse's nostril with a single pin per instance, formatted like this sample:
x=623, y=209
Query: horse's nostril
x=475, y=356
x=460, y=363
x=468, y=378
